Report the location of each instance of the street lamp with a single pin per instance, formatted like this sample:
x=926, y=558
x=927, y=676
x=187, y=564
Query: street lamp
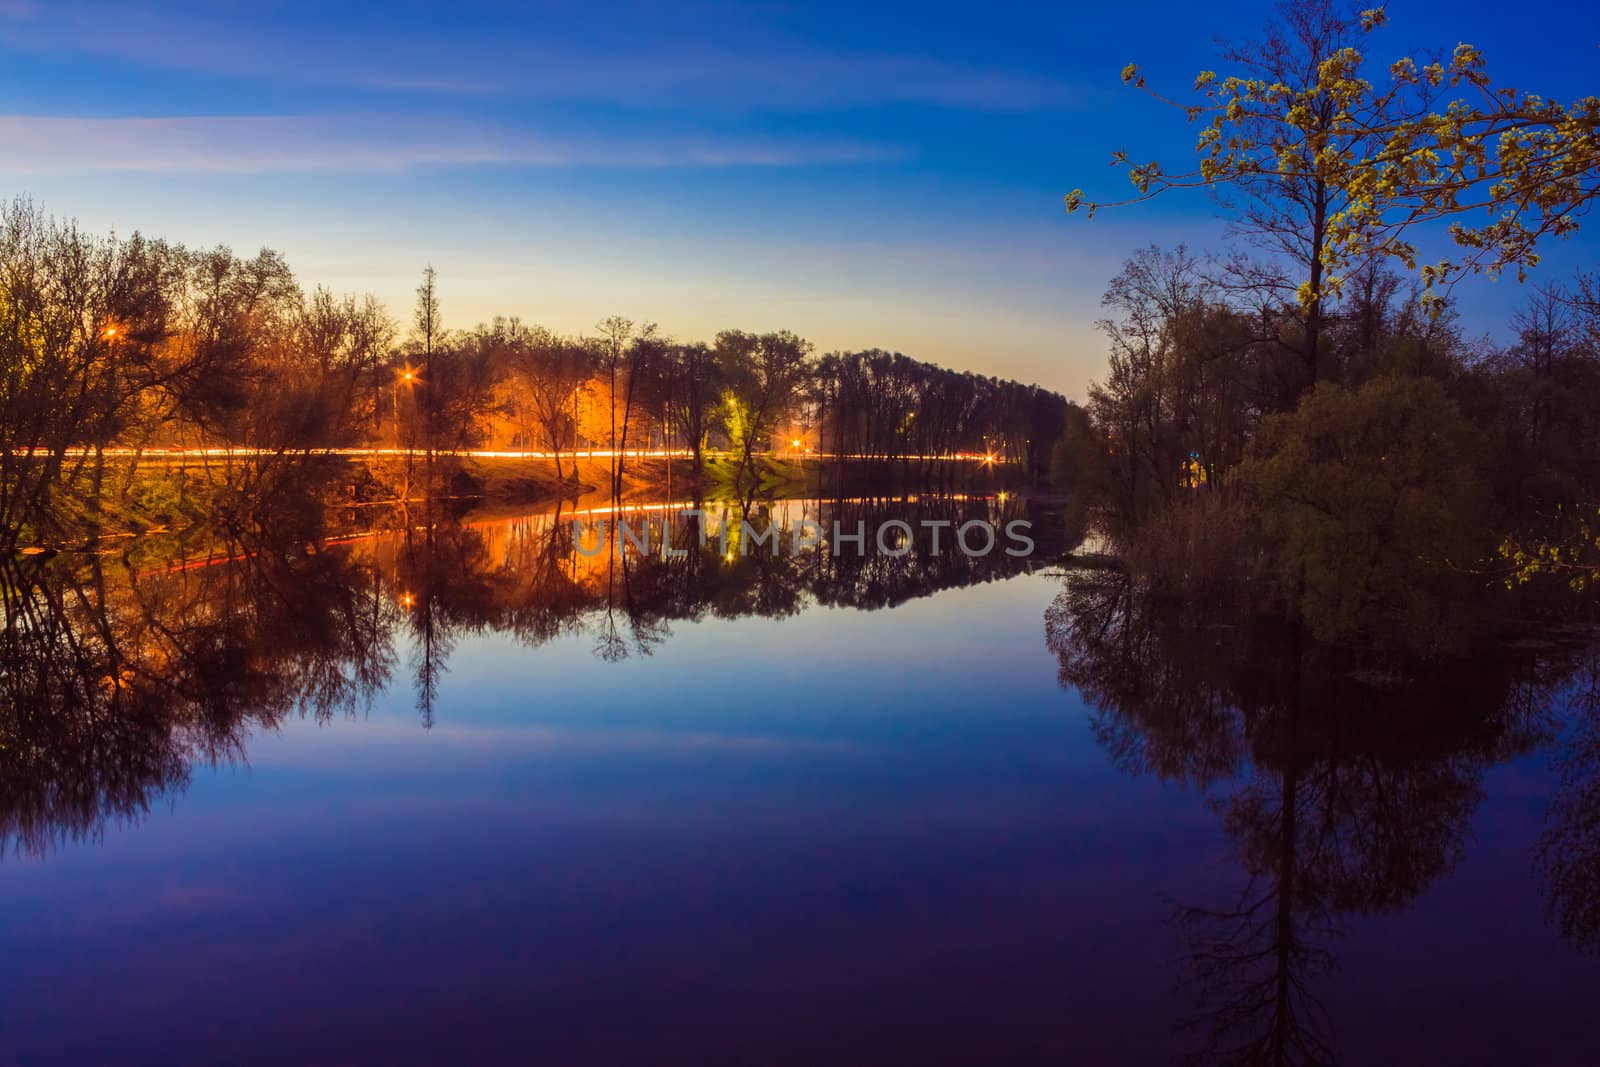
x=408, y=376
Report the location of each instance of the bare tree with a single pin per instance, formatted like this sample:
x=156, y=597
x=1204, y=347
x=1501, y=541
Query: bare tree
x=551, y=370
x=615, y=333
x=428, y=325
x=644, y=365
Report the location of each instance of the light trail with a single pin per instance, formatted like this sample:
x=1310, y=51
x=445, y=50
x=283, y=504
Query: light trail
x=226, y=452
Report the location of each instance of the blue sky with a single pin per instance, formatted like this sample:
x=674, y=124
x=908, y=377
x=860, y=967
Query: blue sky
x=867, y=175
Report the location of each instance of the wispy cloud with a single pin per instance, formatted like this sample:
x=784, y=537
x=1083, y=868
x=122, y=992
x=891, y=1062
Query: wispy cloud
x=249, y=144
x=670, y=65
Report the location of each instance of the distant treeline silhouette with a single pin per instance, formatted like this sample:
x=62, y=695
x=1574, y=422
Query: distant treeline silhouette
x=136, y=343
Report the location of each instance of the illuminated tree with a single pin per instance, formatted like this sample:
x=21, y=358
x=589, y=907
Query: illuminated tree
x=1424, y=141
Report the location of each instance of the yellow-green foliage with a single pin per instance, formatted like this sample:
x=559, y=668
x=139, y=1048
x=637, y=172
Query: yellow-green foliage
x=1574, y=552
x=1430, y=141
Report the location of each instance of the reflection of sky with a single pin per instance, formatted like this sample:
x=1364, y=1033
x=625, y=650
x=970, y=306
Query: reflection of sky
x=768, y=842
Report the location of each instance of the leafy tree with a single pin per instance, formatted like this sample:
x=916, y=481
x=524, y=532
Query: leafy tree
x=764, y=374
x=1398, y=151
x=1373, y=504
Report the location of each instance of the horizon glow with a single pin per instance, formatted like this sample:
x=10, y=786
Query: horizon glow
x=869, y=178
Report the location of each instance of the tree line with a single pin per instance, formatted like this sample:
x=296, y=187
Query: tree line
x=137, y=343
x=628, y=387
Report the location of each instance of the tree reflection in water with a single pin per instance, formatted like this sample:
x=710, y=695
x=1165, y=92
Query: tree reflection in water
x=121, y=670
x=117, y=677
x=1345, y=782
x=1568, y=856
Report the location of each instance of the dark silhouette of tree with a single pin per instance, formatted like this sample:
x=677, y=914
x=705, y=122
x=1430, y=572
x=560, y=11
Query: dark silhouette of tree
x=117, y=677
x=693, y=387
x=1345, y=778
x=427, y=327
x=645, y=363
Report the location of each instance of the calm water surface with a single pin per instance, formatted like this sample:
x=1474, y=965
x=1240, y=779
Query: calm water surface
x=838, y=836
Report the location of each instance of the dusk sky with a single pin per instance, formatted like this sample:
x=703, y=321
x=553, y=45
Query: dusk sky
x=865, y=176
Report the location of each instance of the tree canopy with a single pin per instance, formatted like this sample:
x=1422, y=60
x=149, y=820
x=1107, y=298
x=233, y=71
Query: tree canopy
x=1424, y=140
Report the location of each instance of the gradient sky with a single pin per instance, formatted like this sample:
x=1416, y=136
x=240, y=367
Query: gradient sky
x=865, y=175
